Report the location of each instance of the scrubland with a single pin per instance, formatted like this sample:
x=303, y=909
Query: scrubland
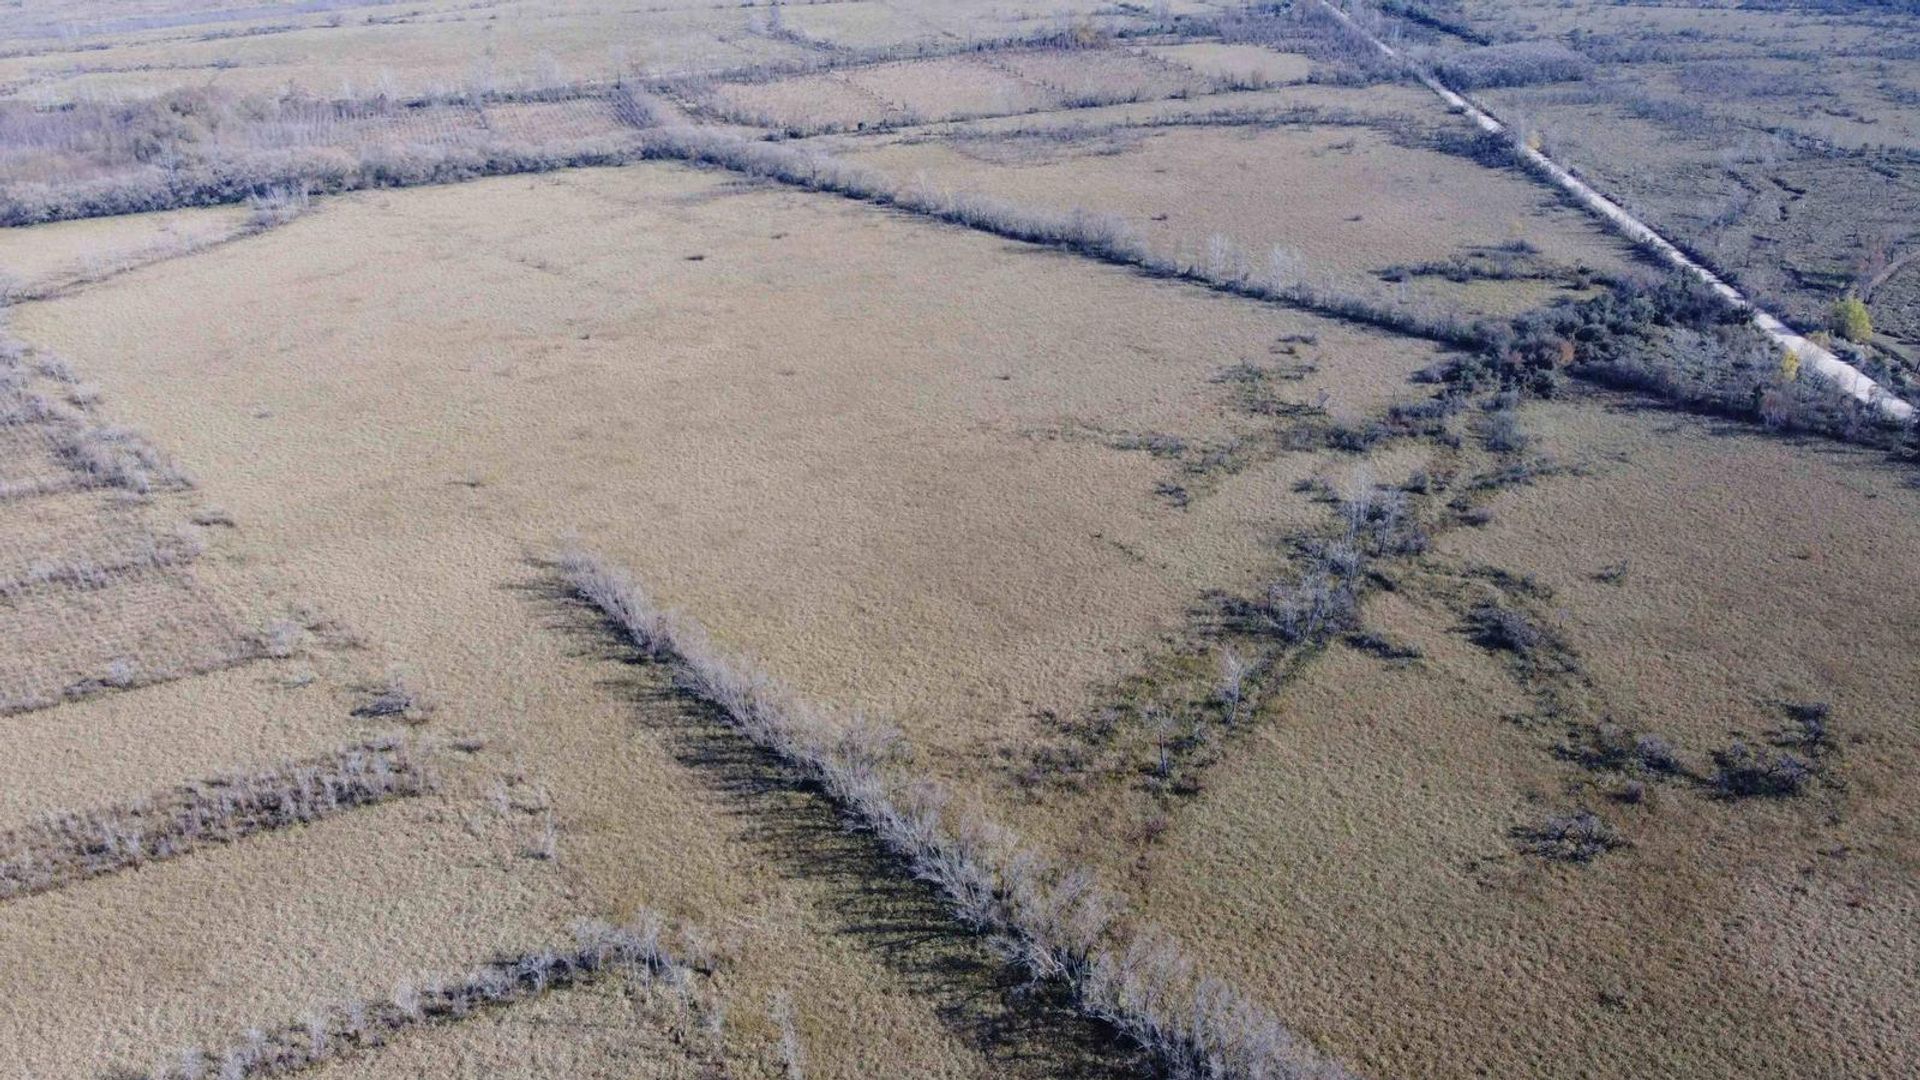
x=946, y=539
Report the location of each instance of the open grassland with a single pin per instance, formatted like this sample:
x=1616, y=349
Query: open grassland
x=365, y=50
x=1110, y=555
x=1071, y=427
x=1367, y=835
x=46, y=259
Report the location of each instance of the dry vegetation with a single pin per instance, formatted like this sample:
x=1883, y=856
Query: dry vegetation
x=1296, y=597
x=1777, y=142
x=69, y=847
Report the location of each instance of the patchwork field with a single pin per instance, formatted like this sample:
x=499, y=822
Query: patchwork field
x=1777, y=141
x=893, y=538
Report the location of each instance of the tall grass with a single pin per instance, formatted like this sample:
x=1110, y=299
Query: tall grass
x=1053, y=921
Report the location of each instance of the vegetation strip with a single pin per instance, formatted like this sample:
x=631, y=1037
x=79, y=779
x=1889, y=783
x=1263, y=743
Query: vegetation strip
x=1052, y=921
x=599, y=949
x=65, y=848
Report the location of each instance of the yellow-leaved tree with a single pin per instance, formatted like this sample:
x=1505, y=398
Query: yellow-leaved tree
x=1850, y=320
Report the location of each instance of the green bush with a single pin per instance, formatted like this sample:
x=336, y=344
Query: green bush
x=1850, y=321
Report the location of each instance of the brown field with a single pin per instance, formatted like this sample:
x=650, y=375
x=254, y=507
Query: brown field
x=1344, y=203
x=1205, y=456
x=1367, y=825
x=59, y=254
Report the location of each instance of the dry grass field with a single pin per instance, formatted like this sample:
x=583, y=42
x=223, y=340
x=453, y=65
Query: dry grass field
x=926, y=539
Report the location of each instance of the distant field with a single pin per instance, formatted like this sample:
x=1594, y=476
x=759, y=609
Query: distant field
x=1778, y=141
x=1341, y=203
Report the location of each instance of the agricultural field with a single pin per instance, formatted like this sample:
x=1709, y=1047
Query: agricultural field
x=894, y=538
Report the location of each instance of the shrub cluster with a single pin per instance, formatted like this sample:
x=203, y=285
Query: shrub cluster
x=68, y=847
x=1052, y=921
x=97, y=455
x=1324, y=599
x=1342, y=56
x=1744, y=770
x=1520, y=63
x=1673, y=338
x=637, y=951
x=1580, y=836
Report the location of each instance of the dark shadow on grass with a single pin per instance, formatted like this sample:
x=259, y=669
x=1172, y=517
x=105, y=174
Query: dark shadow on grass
x=1025, y=1030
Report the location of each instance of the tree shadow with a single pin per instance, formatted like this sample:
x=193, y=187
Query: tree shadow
x=1024, y=1029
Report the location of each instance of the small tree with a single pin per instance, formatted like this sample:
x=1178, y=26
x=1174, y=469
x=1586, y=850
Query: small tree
x=1789, y=365
x=1850, y=320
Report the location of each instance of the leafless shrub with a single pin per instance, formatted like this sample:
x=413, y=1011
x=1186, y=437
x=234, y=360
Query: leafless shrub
x=1656, y=754
x=1611, y=746
x=277, y=205
x=213, y=515
x=1746, y=771
x=395, y=697
x=1051, y=921
x=793, y=1057
x=114, y=457
x=149, y=551
x=282, y=638
x=1503, y=628
x=1312, y=608
x=636, y=951
x=1377, y=644
x=1231, y=685
x=545, y=845
x=1503, y=434
x=1580, y=836
x=1813, y=729
x=69, y=847
x=1520, y=63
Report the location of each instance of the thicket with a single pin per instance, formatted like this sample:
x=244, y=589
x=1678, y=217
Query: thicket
x=1521, y=63
x=1673, y=338
x=1341, y=55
